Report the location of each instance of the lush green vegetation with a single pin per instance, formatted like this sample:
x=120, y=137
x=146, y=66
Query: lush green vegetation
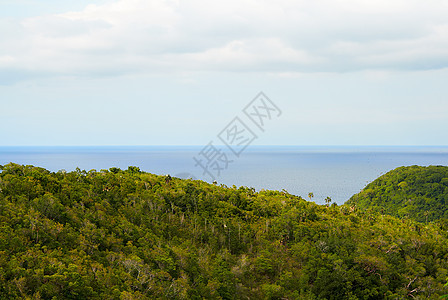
x=420, y=193
x=117, y=234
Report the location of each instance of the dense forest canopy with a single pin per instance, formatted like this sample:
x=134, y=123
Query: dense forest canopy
x=127, y=234
x=420, y=193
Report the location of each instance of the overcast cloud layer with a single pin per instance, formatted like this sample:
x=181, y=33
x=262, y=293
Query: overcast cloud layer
x=148, y=36
x=148, y=72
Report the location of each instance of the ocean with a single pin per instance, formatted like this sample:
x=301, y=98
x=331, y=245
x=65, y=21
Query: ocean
x=337, y=172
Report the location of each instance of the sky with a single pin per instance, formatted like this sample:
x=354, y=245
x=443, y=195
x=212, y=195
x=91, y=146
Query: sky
x=154, y=72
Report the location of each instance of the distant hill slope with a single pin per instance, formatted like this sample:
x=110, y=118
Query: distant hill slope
x=127, y=234
x=420, y=193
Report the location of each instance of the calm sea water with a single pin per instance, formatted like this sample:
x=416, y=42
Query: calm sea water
x=337, y=172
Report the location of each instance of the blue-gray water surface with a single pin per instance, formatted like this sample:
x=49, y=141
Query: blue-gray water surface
x=337, y=172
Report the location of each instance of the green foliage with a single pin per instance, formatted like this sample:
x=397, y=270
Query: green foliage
x=419, y=193
x=127, y=234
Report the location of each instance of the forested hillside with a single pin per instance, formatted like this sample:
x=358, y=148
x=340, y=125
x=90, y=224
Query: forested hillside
x=126, y=234
x=415, y=192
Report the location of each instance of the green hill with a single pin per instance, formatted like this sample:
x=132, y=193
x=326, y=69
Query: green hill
x=420, y=193
x=115, y=234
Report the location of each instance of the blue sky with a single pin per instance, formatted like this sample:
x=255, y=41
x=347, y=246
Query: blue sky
x=134, y=72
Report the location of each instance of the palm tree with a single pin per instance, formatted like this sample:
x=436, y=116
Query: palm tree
x=310, y=195
x=328, y=201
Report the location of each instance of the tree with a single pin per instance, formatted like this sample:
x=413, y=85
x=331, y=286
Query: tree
x=416, y=192
x=67, y=237
x=310, y=195
x=168, y=179
x=134, y=170
x=114, y=170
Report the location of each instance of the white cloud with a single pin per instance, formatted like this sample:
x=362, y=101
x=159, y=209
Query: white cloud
x=283, y=37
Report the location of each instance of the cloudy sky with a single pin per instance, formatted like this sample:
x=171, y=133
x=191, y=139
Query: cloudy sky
x=154, y=72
